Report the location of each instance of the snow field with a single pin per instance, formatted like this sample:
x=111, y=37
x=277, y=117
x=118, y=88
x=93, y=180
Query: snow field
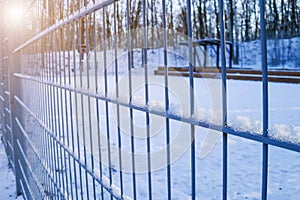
x=244, y=114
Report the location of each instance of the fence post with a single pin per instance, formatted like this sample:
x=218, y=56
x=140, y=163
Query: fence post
x=13, y=33
x=1, y=77
x=265, y=98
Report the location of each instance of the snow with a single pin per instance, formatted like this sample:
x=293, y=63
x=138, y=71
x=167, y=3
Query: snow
x=7, y=183
x=282, y=53
x=244, y=114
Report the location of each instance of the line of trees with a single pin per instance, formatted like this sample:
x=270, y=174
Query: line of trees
x=241, y=18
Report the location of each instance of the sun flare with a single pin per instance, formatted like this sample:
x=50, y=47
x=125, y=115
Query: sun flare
x=15, y=12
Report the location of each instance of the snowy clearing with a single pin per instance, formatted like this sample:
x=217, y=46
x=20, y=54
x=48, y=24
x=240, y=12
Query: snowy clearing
x=244, y=114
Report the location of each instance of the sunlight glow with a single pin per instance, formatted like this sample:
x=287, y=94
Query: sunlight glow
x=15, y=12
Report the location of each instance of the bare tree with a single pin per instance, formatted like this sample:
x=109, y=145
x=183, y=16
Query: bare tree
x=216, y=9
x=119, y=23
x=170, y=23
x=293, y=7
x=182, y=19
x=230, y=20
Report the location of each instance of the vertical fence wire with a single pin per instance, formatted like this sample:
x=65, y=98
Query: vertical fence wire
x=61, y=114
x=66, y=124
x=167, y=99
x=145, y=65
x=57, y=150
x=82, y=21
x=192, y=98
x=89, y=77
x=130, y=66
x=97, y=105
x=117, y=96
x=224, y=94
x=49, y=110
x=77, y=131
x=264, y=98
x=74, y=127
x=105, y=40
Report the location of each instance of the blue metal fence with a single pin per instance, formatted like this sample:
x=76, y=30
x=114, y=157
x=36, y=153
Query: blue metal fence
x=69, y=112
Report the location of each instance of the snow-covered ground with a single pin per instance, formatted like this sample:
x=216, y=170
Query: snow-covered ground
x=244, y=113
x=244, y=104
x=7, y=182
x=282, y=53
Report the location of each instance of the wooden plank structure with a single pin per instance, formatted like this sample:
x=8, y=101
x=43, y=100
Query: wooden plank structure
x=284, y=76
x=215, y=44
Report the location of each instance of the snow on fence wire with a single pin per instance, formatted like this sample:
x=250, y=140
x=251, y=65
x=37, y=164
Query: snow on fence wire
x=83, y=116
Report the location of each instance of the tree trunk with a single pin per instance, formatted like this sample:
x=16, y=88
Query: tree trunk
x=217, y=18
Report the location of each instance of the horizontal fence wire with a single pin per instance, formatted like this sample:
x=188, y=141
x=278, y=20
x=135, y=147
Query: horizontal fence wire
x=174, y=116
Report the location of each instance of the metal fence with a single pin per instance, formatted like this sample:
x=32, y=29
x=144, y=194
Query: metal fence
x=78, y=122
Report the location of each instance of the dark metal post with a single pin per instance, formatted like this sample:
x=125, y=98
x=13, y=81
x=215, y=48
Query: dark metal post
x=224, y=94
x=14, y=88
x=145, y=65
x=192, y=100
x=218, y=55
x=265, y=97
x=167, y=99
x=230, y=54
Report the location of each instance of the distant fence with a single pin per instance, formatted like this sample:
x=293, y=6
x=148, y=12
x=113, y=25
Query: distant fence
x=77, y=122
